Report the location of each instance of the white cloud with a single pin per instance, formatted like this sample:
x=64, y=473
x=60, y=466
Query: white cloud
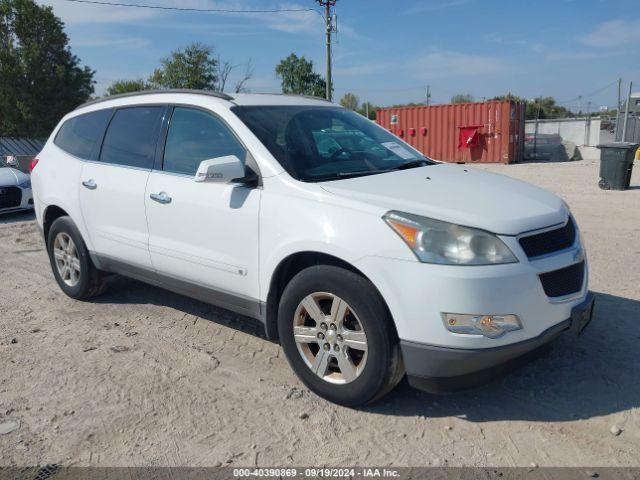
x=289, y=22
x=493, y=37
x=447, y=64
x=613, y=33
x=77, y=13
x=133, y=42
x=575, y=55
x=433, y=5
x=362, y=69
x=498, y=39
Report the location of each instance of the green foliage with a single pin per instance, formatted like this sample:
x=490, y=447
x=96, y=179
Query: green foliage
x=193, y=67
x=126, y=86
x=509, y=97
x=350, y=101
x=298, y=77
x=370, y=108
x=40, y=79
x=410, y=104
x=540, y=107
x=462, y=98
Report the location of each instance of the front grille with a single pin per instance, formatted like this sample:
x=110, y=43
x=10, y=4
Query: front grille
x=10, y=197
x=563, y=282
x=549, y=242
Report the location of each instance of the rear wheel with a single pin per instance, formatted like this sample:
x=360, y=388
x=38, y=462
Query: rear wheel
x=338, y=336
x=72, y=267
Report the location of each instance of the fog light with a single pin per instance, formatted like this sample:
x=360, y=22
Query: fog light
x=491, y=326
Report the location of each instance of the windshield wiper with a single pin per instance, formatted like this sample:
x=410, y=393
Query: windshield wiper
x=413, y=164
x=343, y=175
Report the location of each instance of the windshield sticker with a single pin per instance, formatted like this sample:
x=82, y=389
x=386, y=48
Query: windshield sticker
x=399, y=150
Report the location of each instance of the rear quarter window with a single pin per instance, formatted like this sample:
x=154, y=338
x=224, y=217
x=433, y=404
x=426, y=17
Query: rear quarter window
x=79, y=135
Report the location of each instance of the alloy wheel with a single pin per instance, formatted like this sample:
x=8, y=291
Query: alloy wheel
x=66, y=258
x=330, y=338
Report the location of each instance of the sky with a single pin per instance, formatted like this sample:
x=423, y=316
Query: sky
x=387, y=52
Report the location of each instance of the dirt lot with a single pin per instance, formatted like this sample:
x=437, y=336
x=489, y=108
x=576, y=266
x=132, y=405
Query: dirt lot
x=141, y=376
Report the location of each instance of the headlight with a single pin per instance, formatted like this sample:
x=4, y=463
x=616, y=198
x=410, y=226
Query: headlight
x=25, y=184
x=434, y=241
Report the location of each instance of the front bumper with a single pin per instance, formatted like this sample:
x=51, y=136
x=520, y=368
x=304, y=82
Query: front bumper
x=26, y=202
x=417, y=295
x=440, y=369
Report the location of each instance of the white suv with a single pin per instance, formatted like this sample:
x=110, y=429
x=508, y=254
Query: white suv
x=365, y=259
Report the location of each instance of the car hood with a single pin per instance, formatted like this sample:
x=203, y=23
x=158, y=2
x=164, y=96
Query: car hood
x=9, y=177
x=458, y=194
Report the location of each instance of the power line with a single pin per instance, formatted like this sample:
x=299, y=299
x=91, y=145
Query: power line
x=587, y=95
x=187, y=9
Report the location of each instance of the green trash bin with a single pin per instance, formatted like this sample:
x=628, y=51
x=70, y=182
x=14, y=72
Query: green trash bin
x=616, y=165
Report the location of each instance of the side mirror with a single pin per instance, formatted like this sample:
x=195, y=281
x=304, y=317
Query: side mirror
x=220, y=170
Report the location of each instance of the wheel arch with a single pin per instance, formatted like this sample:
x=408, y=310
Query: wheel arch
x=50, y=215
x=287, y=269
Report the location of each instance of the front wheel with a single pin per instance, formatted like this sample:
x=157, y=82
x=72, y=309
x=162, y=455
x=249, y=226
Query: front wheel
x=338, y=335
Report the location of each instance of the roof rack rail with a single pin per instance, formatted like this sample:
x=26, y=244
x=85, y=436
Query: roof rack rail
x=310, y=97
x=209, y=93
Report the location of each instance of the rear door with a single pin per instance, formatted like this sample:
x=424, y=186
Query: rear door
x=203, y=235
x=112, y=188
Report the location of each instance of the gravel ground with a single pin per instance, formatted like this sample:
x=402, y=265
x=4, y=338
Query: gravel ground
x=141, y=376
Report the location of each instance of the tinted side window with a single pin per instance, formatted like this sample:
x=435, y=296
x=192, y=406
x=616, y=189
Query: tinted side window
x=195, y=136
x=79, y=135
x=131, y=137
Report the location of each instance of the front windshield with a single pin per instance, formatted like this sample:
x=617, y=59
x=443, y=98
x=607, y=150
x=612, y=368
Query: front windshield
x=327, y=143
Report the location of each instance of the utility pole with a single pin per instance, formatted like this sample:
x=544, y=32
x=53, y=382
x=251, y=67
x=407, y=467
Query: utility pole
x=428, y=95
x=587, y=125
x=327, y=4
x=618, y=110
x=535, y=134
x=626, y=114
x=579, y=105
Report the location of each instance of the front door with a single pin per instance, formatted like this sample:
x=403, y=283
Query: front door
x=112, y=189
x=203, y=234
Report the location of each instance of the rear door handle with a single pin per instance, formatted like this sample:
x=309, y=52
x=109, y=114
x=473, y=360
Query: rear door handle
x=161, y=197
x=90, y=184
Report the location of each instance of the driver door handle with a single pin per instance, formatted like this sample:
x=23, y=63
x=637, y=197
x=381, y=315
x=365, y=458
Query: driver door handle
x=161, y=197
x=90, y=184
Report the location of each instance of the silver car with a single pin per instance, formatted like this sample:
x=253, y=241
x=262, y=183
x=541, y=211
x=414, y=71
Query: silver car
x=15, y=190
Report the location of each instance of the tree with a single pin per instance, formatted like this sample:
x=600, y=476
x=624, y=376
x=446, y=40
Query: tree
x=350, y=101
x=240, y=85
x=368, y=109
x=462, y=98
x=225, y=69
x=547, y=107
x=126, y=86
x=193, y=67
x=40, y=79
x=299, y=78
x=540, y=107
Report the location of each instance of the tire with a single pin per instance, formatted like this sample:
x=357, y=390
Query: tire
x=83, y=280
x=604, y=185
x=364, y=343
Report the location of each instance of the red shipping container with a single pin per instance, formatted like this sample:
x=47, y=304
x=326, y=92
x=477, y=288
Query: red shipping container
x=498, y=136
